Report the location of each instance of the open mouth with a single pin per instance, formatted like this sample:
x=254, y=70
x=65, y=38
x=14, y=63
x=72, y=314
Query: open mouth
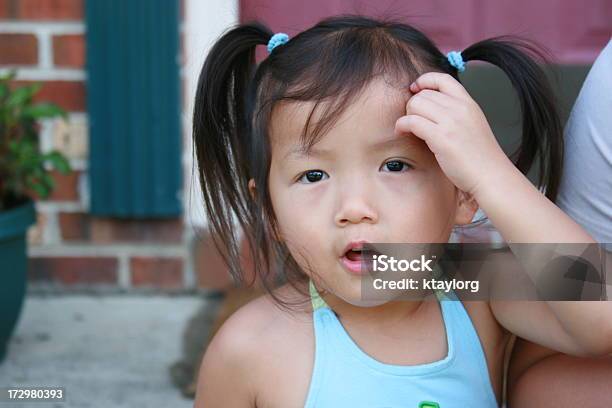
x=360, y=255
x=358, y=261
x=353, y=255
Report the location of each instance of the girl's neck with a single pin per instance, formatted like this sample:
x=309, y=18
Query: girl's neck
x=386, y=315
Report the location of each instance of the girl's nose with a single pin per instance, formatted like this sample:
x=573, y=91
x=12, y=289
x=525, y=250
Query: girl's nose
x=356, y=206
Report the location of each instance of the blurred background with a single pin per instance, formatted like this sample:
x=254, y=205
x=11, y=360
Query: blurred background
x=122, y=284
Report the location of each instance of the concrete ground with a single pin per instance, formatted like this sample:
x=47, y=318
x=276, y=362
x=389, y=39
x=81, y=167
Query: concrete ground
x=105, y=350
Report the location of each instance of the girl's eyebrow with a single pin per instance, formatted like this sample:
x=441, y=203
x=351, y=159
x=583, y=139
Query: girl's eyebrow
x=301, y=151
x=395, y=141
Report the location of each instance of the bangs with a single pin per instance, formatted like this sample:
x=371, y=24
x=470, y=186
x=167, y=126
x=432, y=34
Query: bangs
x=333, y=70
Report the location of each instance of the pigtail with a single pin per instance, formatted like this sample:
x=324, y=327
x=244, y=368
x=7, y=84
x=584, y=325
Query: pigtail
x=542, y=135
x=221, y=137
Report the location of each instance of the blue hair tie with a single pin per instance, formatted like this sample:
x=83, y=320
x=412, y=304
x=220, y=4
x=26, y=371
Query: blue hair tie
x=456, y=60
x=276, y=40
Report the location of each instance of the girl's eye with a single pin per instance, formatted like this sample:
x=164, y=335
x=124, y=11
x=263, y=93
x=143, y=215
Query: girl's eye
x=396, y=165
x=311, y=176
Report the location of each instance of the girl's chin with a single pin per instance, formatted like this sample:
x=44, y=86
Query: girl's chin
x=355, y=299
x=368, y=303
x=352, y=292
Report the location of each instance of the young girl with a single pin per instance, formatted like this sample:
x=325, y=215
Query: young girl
x=355, y=131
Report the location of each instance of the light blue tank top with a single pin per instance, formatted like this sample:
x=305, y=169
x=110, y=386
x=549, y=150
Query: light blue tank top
x=345, y=376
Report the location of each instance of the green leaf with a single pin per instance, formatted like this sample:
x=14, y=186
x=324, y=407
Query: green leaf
x=22, y=164
x=38, y=187
x=43, y=110
x=4, y=90
x=59, y=162
x=8, y=76
x=23, y=95
x=48, y=181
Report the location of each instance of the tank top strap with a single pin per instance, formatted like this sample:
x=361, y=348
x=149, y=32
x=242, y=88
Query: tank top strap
x=467, y=341
x=316, y=300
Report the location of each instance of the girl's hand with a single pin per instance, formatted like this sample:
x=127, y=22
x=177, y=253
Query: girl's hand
x=444, y=115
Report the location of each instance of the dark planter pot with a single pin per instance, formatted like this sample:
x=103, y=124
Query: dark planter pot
x=14, y=224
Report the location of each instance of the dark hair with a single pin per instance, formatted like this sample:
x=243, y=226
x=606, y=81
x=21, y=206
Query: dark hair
x=332, y=61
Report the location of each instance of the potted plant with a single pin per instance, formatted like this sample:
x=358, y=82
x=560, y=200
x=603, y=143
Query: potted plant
x=24, y=175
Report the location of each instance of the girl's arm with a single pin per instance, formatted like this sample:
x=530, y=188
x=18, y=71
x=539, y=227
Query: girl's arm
x=577, y=328
x=521, y=213
x=444, y=115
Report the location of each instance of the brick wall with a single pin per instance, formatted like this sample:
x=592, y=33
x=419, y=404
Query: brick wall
x=69, y=249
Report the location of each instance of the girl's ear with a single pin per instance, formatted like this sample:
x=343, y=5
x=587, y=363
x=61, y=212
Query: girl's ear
x=466, y=208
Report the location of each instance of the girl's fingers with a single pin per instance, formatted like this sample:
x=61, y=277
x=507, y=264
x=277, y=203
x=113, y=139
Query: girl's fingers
x=419, y=126
x=440, y=82
x=426, y=107
x=447, y=101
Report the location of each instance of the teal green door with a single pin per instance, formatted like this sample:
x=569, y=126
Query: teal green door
x=133, y=101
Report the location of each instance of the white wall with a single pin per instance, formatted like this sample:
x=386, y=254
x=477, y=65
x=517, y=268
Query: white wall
x=205, y=20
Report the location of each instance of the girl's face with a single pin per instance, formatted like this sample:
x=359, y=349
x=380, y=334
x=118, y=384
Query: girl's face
x=361, y=181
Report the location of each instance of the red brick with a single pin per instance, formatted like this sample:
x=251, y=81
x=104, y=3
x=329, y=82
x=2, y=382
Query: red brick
x=18, y=49
x=49, y=9
x=74, y=226
x=8, y=9
x=164, y=273
x=4, y=9
x=210, y=269
x=211, y=272
x=69, y=50
x=66, y=186
x=248, y=266
x=74, y=270
x=69, y=95
x=109, y=230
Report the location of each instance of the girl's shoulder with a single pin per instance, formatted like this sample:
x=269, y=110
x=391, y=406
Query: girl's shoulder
x=262, y=327
x=265, y=318
x=261, y=346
